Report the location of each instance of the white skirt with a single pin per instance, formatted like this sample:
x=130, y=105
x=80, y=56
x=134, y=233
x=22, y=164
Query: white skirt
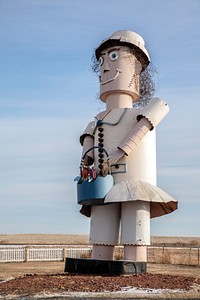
x=161, y=203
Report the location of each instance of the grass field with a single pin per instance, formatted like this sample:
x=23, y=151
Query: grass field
x=73, y=239
x=43, y=239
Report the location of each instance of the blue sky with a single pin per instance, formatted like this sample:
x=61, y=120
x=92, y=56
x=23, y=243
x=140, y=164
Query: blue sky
x=48, y=94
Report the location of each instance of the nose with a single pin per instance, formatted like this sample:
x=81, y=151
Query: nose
x=106, y=67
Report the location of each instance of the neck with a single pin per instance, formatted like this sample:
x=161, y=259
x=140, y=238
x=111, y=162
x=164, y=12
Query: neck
x=119, y=101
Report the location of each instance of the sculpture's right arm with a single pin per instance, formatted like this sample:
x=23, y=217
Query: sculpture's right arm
x=87, y=141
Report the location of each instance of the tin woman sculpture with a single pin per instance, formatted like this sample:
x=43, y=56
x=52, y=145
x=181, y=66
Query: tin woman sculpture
x=126, y=132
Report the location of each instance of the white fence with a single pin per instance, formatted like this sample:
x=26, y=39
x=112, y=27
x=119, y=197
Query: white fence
x=12, y=254
x=160, y=254
x=43, y=253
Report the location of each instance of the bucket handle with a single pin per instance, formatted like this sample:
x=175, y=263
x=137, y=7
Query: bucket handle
x=83, y=157
x=95, y=147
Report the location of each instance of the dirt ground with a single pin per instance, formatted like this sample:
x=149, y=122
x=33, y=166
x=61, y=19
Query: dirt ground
x=47, y=278
x=13, y=270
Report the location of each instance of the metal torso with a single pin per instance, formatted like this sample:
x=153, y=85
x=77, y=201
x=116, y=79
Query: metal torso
x=139, y=165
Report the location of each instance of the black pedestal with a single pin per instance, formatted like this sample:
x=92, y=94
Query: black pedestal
x=104, y=267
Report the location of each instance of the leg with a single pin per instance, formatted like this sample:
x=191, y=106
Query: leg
x=102, y=252
x=136, y=253
x=135, y=229
x=104, y=230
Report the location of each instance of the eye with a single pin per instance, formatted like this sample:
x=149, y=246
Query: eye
x=113, y=55
x=101, y=61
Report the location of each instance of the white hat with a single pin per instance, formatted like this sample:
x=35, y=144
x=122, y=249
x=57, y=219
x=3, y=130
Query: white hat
x=127, y=38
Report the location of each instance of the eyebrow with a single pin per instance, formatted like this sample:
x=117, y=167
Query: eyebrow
x=111, y=49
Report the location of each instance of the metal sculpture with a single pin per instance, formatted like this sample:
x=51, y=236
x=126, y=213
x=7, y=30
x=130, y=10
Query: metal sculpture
x=125, y=132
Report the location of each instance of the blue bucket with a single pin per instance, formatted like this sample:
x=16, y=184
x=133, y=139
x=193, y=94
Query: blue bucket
x=94, y=192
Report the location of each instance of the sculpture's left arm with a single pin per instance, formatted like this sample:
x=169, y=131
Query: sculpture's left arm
x=149, y=118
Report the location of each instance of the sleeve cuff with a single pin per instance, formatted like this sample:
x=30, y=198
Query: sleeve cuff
x=155, y=111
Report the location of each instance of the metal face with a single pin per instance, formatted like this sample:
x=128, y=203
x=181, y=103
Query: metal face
x=118, y=68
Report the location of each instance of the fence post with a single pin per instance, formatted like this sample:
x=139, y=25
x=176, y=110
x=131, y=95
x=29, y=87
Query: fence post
x=163, y=254
x=64, y=253
x=26, y=253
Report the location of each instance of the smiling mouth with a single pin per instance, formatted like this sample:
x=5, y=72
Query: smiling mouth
x=109, y=80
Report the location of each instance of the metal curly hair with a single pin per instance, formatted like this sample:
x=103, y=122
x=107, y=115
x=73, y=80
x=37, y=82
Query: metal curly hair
x=147, y=80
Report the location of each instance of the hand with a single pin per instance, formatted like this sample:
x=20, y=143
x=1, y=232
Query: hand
x=88, y=160
x=115, y=156
x=105, y=169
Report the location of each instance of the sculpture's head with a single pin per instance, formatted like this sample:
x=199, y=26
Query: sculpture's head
x=122, y=57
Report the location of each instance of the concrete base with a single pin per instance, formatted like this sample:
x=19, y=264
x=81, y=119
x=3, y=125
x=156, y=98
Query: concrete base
x=104, y=267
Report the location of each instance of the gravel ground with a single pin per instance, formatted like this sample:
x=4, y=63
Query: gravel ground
x=36, y=284
x=41, y=282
